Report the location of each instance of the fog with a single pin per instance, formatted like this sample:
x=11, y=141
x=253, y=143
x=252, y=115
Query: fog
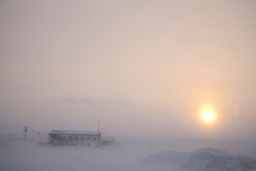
x=141, y=69
x=123, y=156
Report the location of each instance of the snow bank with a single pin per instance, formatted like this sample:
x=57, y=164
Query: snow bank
x=205, y=159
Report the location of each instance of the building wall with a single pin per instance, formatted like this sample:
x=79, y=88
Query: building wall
x=73, y=139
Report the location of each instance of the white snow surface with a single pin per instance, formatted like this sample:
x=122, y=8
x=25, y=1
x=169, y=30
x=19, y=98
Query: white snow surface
x=20, y=156
x=205, y=159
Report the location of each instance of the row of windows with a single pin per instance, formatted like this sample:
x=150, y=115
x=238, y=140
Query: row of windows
x=72, y=144
x=81, y=138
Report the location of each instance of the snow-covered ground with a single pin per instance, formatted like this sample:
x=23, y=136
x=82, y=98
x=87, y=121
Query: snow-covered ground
x=205, y=159
x=20, y=156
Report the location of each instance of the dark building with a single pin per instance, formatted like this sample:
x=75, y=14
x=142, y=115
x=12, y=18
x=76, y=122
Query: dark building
x=74, y=138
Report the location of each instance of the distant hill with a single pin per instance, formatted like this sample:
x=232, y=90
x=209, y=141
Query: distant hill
x=205, y=159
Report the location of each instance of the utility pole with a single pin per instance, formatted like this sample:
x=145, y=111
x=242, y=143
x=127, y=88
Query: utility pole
x=99, y=139
x=25, y=129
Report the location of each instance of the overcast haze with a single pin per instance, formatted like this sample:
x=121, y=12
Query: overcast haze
x=145, y=68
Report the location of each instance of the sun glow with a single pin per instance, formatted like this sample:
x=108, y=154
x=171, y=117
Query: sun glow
x=208, y=115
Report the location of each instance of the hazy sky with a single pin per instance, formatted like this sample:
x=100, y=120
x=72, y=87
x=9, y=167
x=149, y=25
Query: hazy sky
x=145, y=68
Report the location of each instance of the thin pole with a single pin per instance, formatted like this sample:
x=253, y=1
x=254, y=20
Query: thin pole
x=98, y=124
x=25, y=128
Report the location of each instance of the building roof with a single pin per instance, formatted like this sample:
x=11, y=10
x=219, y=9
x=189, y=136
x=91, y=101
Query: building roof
x=75, y=132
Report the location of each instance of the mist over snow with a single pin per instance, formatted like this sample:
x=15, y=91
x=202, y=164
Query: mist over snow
x=171, y=82
x=202, y=159
x=128, y=154
x=22, y=156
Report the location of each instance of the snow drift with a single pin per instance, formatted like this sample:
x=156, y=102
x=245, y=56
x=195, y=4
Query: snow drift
x=206, y=159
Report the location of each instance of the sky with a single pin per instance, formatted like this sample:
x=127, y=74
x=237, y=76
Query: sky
x=143, y=68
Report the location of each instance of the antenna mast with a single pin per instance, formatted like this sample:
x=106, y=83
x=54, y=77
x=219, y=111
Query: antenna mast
x=25, y=129
x=98, y=124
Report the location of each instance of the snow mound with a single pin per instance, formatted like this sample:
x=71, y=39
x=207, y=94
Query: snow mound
x=215, y=151
x=206, y=159
x=167, y=159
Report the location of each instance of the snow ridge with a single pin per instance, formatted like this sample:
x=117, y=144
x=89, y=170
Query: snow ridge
x=205, y=159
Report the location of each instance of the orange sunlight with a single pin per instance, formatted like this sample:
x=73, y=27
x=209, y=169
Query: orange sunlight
x=208, y=115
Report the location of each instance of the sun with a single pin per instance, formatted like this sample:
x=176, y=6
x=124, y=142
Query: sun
x=208, y=115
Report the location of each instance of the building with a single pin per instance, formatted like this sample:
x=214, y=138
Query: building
x=74, y=138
